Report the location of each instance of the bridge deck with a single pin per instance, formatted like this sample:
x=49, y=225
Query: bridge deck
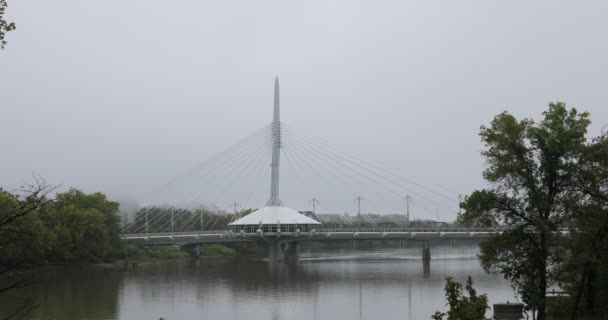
x=222, y=236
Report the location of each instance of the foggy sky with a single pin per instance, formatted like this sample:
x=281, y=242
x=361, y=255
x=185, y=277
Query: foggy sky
x=120, y=96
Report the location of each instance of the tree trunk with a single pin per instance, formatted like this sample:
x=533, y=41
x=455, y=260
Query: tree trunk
x=590, y=305
x=579, y=292
x=542, y=286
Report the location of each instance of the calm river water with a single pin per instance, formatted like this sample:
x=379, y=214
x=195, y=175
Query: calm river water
x=332, y=284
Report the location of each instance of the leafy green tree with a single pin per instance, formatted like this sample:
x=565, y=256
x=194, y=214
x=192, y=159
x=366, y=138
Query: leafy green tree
x=585, y=273
x=531, y=170
x=21, y=239
x=462, y=307
x=82, y=227
x=4, y=25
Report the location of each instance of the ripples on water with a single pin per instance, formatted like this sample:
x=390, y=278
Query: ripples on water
x=333, y=284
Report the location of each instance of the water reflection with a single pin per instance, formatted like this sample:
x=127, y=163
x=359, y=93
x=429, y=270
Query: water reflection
x=342, y=284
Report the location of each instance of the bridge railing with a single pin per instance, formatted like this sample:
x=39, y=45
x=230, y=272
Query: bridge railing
x=169, y=234
x=323, y=230
x=409, y=229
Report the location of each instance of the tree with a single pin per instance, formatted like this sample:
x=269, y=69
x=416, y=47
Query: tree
x=462, y=307
x=4, y=25
x=531, y=171
x=81, y=227
x=584, y=272
x=20, y=242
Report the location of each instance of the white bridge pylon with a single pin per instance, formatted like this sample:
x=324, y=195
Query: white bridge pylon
x=274, y=216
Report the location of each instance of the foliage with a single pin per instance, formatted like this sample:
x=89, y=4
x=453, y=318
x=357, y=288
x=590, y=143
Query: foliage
x=5, y=26
x=164, y=252
x=531, y=170
x=585, y=273
x=216, y=250
x=81, y=227
x=462, y=307
x=20, y=242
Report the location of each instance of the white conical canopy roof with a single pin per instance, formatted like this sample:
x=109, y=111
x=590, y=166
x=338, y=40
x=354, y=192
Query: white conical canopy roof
x=274, y=215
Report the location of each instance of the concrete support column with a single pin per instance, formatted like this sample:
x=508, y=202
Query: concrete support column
x=191, y=250
x=402, y=243
x=195, y=253
x=426, y=268
x=426, y=251
x=353, y=244
x=292, y=249
x=426, y=259
x=452, y=243
x=275, y=252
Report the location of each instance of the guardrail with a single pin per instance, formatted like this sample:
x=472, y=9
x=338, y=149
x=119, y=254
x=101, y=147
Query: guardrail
x=410, y=229
x=320, y=230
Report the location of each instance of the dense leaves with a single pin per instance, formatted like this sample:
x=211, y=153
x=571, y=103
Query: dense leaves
x=585, y=272
x=21, y=243
x=81, y=227
x=73, y=227
x=541, y=175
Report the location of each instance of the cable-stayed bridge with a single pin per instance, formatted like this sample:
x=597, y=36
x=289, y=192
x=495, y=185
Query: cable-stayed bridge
x=314, y=169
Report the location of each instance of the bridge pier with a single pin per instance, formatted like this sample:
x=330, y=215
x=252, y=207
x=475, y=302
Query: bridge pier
x=192, y=251
x=353, y=244
x=275, y=252
x=426, y=259
x=291, y=250
x=426, y=251
x=402, y=243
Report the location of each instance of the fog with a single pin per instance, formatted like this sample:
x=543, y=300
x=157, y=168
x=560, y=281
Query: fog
x=120, y=96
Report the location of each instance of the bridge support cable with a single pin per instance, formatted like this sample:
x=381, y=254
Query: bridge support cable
x=331, y=181
x=261, y=176
x=367, y=174
x=261, y=156
x=245, y=150
x=296, y=169
x=210, y=164
x=313, y=156
x=365, y=166
x=323, y=143
x=335, y=167
x=218, y=174
x=235, y=173
x=213, y=159
x=353, y=164
x=289, y=150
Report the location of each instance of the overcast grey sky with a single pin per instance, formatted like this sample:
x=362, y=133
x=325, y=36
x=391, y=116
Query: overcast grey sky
x=120, y=96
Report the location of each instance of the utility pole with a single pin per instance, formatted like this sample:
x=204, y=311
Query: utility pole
x=146, y=221
x=358, y=199
x=201, y=218
x=314, y=202
x=407, y=209
x=235, y=205
x=172, y=212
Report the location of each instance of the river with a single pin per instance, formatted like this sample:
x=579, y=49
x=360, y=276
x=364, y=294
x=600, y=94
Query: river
x=324, y=284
